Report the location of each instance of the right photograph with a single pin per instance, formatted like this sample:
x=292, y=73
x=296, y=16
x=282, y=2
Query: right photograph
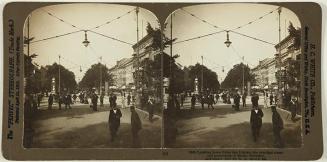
x=231, y=77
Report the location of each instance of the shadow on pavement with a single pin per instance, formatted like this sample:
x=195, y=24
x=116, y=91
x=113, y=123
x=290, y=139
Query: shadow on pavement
x=98, y=136
x=215, y=113
x=240, y=136
x=70, y=113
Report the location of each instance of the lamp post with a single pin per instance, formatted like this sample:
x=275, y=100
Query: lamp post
x=100, y=89
x=85, y=42
x=227, y=42
x=202, y=76
x=243, y=75
x=59, y=78
x=279, y=61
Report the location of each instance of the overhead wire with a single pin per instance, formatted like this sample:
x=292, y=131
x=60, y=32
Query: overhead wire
x=228, y=30
x=80, y=29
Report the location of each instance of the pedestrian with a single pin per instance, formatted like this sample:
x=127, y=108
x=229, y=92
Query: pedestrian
x=101, y=99
x=278, y=126
x=150, y=106
x=292, y=108
x=60, y=101
x=237, y=98
x=136, y=126
x=202, y=101
x=271, y=98
x=228, y=99
x=255, y=100
x=94, y=101
x=244, y=99
x=123, y=100
x=39, y=98
x=74, y=97
x=256, y=122
x=50, y=101
x=217, y=97
x=210, y=101
x=111, y=101
x=182, y=99
x=114, y=100
x=114, y=122
x=177, y=103
x=193, y=100
x=128, y=99
x=81, y=98
x=68, y=101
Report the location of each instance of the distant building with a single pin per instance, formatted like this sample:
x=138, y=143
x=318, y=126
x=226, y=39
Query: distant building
x=288, y=49
x=125, y=69
x=289, y=52
x=265, y=73
x=122, y=73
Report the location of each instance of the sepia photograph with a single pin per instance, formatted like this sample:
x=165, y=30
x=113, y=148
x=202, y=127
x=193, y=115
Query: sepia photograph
x=232, y=77
x=92, y=77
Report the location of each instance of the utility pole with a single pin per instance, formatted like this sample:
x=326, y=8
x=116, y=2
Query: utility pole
x=278, y=61
x=59, y=78
x=171, y=54
x=100, y=89
x=28, y=36
x=243, y=75
x=137, y=52
x=202, y=76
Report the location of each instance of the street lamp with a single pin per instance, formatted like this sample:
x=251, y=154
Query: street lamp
x=227, y=42
x=86, y=42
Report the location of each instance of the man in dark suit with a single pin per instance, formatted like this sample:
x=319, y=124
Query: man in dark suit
x=255, y=100
x=136, y=126
x=278, y=126
x=114, y=122
x=256, y=122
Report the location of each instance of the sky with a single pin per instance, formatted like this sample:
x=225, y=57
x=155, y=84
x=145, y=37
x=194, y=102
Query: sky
x=215, y=54
x=85, y=16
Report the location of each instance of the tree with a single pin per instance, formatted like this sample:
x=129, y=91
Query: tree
x=296, y=33
x=67, y=78
x=210, y=78
x=234, y=77
x=159, y=39
x=91, y=79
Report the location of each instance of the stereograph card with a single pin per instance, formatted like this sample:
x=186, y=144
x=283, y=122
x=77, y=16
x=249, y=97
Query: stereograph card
x=165, y=81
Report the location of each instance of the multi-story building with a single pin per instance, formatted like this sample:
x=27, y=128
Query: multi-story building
x=125, y=71
x=122, y=73
x=265, y=73
x=290, y=52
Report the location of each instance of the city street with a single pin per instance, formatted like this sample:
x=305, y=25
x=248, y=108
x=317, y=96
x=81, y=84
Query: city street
x=81, y=127
x=224, y=127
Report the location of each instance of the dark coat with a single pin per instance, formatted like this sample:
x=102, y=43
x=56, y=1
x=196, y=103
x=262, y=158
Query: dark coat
x=256, y=118
x=277, y=122
x=50, y=100
x=193, y=99
x=114, y=119
x=94, y=99
x=254, y=100
x=135, y=122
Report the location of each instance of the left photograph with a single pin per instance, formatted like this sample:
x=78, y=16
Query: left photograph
x=92, y=77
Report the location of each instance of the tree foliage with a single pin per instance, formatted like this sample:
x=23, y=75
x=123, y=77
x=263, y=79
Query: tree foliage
x=159, y=39
x=91, y=78
x=67, y=78
x=234, y=78
x=210, y=78
x=296, y=33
